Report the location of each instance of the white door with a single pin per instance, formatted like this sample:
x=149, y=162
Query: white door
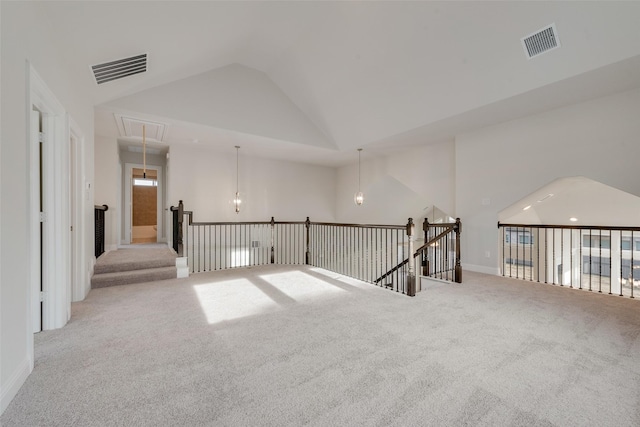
x=36, y=264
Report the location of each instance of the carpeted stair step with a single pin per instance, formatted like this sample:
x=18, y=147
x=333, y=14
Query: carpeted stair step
x=127, y=277
x=134, y=259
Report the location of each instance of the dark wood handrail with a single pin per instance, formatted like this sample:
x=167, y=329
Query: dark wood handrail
x=432, y=241
x=393, y=270
x=571, y=227
x=388, y=227
x=335, y=224
x=101, y=207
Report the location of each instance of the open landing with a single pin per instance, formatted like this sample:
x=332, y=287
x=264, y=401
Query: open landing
x=134, y=264
x=289, y=346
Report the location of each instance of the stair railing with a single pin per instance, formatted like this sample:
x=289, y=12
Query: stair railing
x=361, y=251
x=365, y=252
x=99, y=214
x=440, y=254
x=177, y=220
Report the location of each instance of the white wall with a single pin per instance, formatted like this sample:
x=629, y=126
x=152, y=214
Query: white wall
x=106, y=186
x=399, y=186
x=501, y=164
x=206, y=182
x=25, y=36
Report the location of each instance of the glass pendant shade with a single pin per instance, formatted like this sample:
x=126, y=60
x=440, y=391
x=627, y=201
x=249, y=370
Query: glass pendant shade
x=358, y=198
x=237, y=201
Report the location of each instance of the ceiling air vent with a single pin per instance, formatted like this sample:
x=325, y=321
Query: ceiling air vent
x=541, y=41
x=115, y=70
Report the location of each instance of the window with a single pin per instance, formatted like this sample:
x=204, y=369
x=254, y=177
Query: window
x=145, y=182
x=594, y=241
x=507, y=237
x=626, y=244
x=525, y=239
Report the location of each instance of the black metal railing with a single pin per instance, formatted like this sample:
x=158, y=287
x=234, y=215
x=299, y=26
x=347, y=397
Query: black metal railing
x=361, y=251
x=595, y=258
x=99, y=214
x=370, y=253
x=440, y=254
x=177, y=218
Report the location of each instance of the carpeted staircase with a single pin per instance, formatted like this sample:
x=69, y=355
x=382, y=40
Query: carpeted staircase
x=135, y=265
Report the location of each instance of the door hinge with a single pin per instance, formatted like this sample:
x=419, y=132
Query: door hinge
x=41, y=137
x=72, y=228
x=43, y=217
x=41, y=296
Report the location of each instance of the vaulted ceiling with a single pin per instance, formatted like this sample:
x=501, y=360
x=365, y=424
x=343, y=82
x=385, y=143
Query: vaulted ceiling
x=312, y=81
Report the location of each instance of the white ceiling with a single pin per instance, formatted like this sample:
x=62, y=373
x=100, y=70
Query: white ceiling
x=312, y=81
x=587, y=201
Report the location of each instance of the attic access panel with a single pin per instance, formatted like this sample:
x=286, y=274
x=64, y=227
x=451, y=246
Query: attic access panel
x=132, y=128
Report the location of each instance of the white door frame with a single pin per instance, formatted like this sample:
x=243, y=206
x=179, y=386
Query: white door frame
x=128, y=207
x=35, y=235
x=81, y=284
x=56, y=239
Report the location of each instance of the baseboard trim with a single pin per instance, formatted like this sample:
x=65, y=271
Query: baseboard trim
x=11, y=388
x=481, y=269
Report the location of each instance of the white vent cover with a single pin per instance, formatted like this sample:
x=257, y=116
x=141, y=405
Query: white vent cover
x=120, y=68
x=541, y=41
x=132, y=128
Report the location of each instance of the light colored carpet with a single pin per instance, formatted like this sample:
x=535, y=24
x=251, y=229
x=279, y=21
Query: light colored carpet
x=290, y=346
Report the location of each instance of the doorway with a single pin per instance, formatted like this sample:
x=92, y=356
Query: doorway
x=144, y=202
x=49, y=238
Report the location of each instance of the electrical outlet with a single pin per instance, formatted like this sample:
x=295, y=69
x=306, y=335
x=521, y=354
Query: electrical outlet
x=487, y=254
x=486, y=201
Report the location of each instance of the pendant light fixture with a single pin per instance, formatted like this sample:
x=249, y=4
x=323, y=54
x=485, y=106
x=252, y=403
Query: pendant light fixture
x=236, y=200
x=144, y=151
x=358, y=198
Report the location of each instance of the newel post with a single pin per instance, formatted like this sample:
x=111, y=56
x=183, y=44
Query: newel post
x=458, y=270
x=180, y=226
x=307, y=256
x=411, y=275
x=273, y=225
x=425, y=253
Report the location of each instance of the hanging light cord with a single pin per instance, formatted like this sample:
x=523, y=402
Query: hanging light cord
x=237, y=163
x=359, y=178
x=144, y=151
x=236, y=199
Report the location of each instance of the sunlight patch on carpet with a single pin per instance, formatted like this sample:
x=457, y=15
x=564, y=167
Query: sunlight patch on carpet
x=301, y=286
x=232, y=299
x=337, y=276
